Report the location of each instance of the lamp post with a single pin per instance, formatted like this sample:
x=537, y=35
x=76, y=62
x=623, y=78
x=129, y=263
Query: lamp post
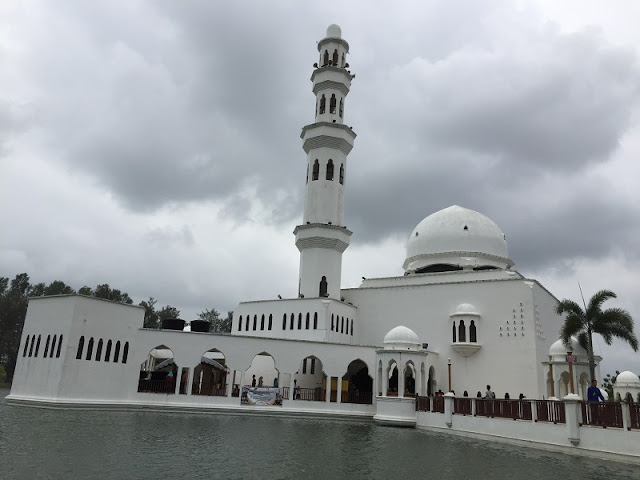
x=449, y=365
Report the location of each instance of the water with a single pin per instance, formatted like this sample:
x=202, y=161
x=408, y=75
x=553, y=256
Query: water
x=79, y=444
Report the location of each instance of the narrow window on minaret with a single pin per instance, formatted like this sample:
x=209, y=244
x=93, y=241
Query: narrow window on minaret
x=270, y=321
x=332, y=322
x=462, y=334
x=454, y=332
x=306, y=325
x=472, y=332
x=323, y=104
x=323, y=287
x=332, y=103
x=316, y=112
x=315, y=321
x=284, y=321
x=240, y=324
x=326, y=58
x=342, y=64
x=316, y=170
x=341, y=107
x=255, y=322
x=246, y=325
x=307, y=178
x=262, y=322
x=352, y=327
x=341, y=174
x=335, y=57
x=291, y=324
x=330, y=170
x=299, y=321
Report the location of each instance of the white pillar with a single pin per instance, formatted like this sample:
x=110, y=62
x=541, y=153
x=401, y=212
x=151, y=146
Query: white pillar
x=448, y=409
x=327, y=392
x=626, y=416
x=229, y=383
x=292, y=392
x=339, y=393
x=534, y=411
x=571, y=409
x=190, y=380
x=418, y=383
x=385, y=382
x=178, y=380
x=400, y=382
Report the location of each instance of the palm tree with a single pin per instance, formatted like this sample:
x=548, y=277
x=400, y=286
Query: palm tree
x=612, y=322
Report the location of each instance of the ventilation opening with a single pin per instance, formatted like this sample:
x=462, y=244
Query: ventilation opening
x=466, y=228
x=439, y=267
x=485, y=267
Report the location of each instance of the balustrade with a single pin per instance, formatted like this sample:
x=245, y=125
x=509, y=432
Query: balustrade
x=602, y=414
x=550, y=411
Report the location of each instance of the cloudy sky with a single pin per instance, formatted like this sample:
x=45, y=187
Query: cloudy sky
x=154, y=145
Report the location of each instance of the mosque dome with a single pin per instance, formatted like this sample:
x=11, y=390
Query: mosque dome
x=559, y=349
x=627, y=379
x=401, y=338
x=334, y=31
x=456, y=238
x=466, y=309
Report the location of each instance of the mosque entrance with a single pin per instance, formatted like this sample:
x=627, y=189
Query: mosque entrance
x=310, y=381
x=158, y=372
x=210, y=376
x=358, y=383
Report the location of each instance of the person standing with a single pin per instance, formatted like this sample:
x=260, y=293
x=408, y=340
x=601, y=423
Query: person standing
x=253, y=381
x=594, y=393
x=489, y=394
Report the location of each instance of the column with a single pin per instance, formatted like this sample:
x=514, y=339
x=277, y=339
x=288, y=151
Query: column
x=292, y=392
x=339, y=393
x=176, y=389
x=328, y=390
x=534, y=411
x=385, y=381
x=230, y=378
x=190, y=380
x=400, y=382
x=571, y=409
x=448, y=409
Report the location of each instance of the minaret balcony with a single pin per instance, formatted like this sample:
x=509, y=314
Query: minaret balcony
x=330, y=135
x=319, y=235
x=326, y=78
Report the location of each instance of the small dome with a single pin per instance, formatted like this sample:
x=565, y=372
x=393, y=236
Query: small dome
x=465, y=309
x=558, y=348
x=627, y=379
x=457, y=237
x=401, y=338
x=333, y=31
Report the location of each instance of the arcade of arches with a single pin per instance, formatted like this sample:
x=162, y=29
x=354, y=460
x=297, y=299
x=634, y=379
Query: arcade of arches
x=213, y=377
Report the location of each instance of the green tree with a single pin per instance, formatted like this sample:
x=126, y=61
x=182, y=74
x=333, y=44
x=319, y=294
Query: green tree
x=58, y=287
x=88, y=291
x=151, y=319
x=608, y=383
x=613, y=322
x=13, y=310
x=168, y=312
x=106, y=292
x=218, y=324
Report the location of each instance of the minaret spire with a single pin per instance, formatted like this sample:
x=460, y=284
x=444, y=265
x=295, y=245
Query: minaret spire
x=323, y=237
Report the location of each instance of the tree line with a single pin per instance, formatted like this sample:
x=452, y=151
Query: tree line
x=15, y=294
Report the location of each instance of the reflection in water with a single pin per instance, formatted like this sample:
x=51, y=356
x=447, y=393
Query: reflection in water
x=80, y=444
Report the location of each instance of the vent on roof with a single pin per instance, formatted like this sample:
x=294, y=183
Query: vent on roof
x=466, y=228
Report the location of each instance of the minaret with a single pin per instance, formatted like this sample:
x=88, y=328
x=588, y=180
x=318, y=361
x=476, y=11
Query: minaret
x=322, y=237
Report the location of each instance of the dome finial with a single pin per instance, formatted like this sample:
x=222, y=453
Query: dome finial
x=333, y=31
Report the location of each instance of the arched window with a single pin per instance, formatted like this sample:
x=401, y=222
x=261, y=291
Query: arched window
x=330, y=170
x=325, y=59
x=307, y=323
x=341, y=174
x=332, y=322
x=342, y=325
x=125, y=352
x=99, y=351
x=335, y=57
x=26, y=345
x=107, y=352
x=89, y=349
x=307, y=177
x=59, y=346
x=323, y=287
x=270, y=321
x=352, y=327
x=299, y=321
x=53, y=346
x=33, y=342
x=332, y=103
x=454, y=332
x=472, y=332
x=46, y=346
x=291, y=322
x=240, y=324
x=347, y=327
x=341, y=110
x=462, y=333
x=37, y=346
x=80, y=348
x=316, y=170
x=116, y=352
x=315, y=320
x=262, y=322
x=255, y=322
x=284, y=321
x=323, y=104
x=246, y=325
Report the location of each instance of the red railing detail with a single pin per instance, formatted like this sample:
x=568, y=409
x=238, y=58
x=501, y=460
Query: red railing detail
x=156, y=386
x=550, y=411
x=423, y=404
x=309, y=394
x=362, y=398
x=634, y=416
x=462, y=406
x=438, y=404
x=602, y=414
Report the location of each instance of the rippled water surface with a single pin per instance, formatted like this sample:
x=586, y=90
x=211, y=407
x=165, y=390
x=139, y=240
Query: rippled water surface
x=40, y=443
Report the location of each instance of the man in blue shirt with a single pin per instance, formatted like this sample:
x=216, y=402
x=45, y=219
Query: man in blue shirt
x=594, y=393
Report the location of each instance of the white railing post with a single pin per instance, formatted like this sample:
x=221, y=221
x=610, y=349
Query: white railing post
x=626, y=416
x=534, y=411
x=448, y=408
x=571, y=411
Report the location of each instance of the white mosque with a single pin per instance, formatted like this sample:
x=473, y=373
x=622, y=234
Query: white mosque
x=460, y=317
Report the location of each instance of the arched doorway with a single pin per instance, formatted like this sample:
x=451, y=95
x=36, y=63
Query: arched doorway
x=409, y=380
x=158, y=372
x=210, y=375
x=583, y=385
x=431, y=383
x=357, y=384
x=310, y=381
x=563, y=384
